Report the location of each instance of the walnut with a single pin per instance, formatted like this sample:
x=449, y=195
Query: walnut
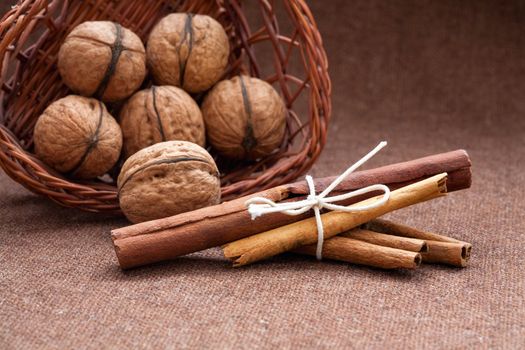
x=187, y=50
x=159, y=114
x=245, y=118
x=102, y=59
x=77, y=135
x=166, y=179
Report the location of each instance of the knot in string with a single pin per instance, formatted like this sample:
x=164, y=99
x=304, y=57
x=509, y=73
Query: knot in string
x=258, y=206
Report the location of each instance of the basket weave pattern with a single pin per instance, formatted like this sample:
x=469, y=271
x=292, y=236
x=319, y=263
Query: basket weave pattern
x=31, y=34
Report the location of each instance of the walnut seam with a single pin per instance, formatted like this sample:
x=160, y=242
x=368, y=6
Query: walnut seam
x=92, y=143
x=249, y=141
x=187, y=32
x=158, y=162
x=157, y=114
x=116, y=51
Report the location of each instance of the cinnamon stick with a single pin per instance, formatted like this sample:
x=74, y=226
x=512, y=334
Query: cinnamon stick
x=282, y=239
x=381, y=239
x=441, y=249
x=363, y=253
x=167, y=238
x=449, y=253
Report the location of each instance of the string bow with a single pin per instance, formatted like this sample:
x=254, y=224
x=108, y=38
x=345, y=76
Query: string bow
x=258, y=206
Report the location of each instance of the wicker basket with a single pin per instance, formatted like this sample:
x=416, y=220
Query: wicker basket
x=282, y=32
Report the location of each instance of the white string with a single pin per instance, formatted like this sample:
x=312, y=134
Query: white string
x=258, y=206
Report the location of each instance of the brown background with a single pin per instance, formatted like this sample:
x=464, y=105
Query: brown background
x=428, y=76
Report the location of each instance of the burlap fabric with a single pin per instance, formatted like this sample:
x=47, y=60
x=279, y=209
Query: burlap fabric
x=428, y=76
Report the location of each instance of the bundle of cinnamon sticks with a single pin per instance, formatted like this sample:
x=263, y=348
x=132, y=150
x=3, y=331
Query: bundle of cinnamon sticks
x=378, y=243
x=388, y=245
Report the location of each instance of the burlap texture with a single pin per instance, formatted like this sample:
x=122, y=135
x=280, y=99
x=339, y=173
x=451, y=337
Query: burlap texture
x=428, y=76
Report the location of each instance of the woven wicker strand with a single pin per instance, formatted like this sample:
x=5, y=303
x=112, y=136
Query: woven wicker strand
x=31, y=34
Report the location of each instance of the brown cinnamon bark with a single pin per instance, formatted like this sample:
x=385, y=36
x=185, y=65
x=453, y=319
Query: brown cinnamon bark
x=363, y=253
x=167, y=238
x=382, y=239
x=269, y=243
x=449, y=253
x=441, y=249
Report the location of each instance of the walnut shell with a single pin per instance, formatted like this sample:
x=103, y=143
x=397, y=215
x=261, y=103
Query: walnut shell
x=102, y=59
x=166, y=179
x=77, y=135
x=245, y=118
x=187, y=50
x=159, y=114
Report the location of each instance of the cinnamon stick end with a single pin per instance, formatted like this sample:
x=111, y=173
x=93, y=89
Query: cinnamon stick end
x=417, y=260
x=238, y=261
x=118, y=254
x=442, y=183
x=231, y=256
x=466, y=250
